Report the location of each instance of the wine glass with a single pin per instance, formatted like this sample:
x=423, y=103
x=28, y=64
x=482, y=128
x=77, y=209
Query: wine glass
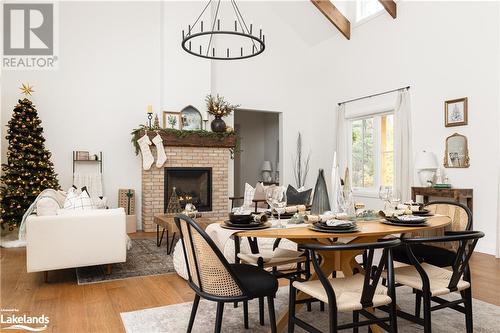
x=277, y=202
x=384, y=194
x=395, y=198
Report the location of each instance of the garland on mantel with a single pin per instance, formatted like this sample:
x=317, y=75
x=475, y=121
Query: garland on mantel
x=136, y=134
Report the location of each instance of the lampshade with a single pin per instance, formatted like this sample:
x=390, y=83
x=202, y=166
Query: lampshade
x=266, y=166
x=426, y=160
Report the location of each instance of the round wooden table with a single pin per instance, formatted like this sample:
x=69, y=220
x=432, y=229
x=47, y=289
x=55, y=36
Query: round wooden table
x=343, y=261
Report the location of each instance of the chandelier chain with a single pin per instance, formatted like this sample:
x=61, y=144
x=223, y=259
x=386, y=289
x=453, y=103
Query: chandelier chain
x=213, y=26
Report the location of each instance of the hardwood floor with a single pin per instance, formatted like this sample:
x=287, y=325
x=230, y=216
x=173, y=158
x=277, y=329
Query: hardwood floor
x=97, y=307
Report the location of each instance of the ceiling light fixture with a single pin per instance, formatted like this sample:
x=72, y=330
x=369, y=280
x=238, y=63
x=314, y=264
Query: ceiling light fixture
x=197, y=35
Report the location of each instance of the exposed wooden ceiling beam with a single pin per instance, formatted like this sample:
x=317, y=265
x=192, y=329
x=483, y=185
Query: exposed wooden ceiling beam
x=335, y=16
x=390, y=6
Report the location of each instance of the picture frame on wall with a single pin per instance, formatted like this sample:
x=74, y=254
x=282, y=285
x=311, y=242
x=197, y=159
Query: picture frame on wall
x=191, y=119
x=455, y=112
x=172, y=120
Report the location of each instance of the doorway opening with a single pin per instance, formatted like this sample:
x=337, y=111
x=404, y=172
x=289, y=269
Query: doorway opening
x=259, y=158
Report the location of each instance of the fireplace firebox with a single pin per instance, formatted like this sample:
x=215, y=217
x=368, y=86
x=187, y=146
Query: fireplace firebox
x=193, y=185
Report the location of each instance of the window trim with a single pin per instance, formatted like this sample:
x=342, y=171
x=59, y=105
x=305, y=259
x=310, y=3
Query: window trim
x=366, y=18
x=368, y=192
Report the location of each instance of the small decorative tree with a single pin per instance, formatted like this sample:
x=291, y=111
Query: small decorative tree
x=174, y=205
x=28, y=170
x=156, y=123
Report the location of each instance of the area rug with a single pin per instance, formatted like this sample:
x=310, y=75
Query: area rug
x=144, y=258
x=174, y=318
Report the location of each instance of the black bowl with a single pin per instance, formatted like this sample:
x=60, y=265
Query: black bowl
x=240, y=219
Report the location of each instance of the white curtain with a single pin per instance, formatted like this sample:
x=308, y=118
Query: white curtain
x=341, y=138
x=339, y=162
x=403, y=153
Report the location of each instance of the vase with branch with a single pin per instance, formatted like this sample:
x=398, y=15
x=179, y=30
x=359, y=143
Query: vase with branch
x=300, y=164
x=219, y=107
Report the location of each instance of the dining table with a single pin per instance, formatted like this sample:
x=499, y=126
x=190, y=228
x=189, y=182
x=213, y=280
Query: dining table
x=340, y=261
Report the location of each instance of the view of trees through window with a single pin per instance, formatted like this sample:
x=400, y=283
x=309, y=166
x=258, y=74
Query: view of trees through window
x=363, y=166
x=372, y=151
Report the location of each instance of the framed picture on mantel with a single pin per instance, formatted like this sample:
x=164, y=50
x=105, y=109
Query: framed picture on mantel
x=171, y=120
x=455, y=112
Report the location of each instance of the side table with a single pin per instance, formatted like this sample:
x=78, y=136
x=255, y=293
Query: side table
x=455, y=194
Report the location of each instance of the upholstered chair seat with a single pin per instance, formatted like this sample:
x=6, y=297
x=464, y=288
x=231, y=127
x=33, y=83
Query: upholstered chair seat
x=348, y=291
x=433, y=255
x=257, y=282
x=439, y=279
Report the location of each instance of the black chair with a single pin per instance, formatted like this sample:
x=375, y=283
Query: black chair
x=431, y=282
x=441, y=255
x=357, y=294
x=213, y=278
x=300, y=258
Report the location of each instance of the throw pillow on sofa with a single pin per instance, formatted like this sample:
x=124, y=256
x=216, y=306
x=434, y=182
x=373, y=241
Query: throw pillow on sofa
x=47, y=206
x=78, y=200
x=297, y=197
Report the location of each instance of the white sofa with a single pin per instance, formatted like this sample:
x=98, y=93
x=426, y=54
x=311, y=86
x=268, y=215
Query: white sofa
x=75, y=239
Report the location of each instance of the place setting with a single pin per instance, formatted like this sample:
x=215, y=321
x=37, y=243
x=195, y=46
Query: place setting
x=241, y=219
x=409, y=214
x=334, y=226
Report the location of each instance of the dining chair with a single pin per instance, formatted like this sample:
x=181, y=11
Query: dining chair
x=359, y=293
x=431, y=282
x=438, y=254
x=280, y=266
x=213, y=278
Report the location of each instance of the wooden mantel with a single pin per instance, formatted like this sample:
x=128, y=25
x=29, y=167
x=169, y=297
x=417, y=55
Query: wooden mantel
x=195, y=139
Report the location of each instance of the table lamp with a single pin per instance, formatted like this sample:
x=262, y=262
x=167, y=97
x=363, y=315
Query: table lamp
x=426, y=165
x=266, y=171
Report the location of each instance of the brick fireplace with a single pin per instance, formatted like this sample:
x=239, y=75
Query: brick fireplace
x=206, y=154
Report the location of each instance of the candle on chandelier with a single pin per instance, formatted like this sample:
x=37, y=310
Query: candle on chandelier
x=150, y=108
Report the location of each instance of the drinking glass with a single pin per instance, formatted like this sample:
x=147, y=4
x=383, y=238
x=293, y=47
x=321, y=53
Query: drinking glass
x=395, y=198
x=277, y=202
x=384, y=194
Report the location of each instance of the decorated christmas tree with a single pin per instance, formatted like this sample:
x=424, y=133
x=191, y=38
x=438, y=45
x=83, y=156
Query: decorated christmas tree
x=28, y=170
x=174, y=205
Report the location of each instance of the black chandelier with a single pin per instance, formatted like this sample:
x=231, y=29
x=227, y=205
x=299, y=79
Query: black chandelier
x=242, y=32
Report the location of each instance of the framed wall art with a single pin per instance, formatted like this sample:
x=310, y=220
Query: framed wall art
x=455, y=112
x=171, y=120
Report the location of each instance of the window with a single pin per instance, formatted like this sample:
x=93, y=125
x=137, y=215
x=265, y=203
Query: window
x=366, y=8
x=372, y=152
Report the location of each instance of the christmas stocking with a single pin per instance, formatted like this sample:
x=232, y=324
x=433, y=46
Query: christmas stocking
x=161, y=157
x=147, y=157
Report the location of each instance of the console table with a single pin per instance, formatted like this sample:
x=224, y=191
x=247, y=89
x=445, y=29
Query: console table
x=456, y=194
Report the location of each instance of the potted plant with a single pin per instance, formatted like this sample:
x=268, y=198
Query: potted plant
x=219, y=108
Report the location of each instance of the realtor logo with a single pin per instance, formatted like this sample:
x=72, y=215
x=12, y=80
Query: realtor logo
x=28, y=36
